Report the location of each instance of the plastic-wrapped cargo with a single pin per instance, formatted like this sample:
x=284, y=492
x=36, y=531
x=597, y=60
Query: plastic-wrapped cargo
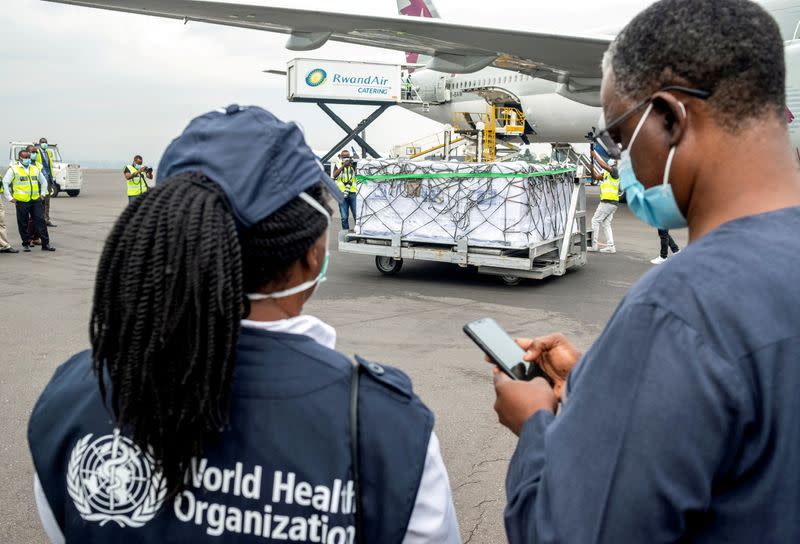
x=508, y=205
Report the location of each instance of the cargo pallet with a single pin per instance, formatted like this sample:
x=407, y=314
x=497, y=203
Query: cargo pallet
x=538, y=261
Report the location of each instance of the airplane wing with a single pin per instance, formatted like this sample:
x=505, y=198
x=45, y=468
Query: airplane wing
x=573, y=61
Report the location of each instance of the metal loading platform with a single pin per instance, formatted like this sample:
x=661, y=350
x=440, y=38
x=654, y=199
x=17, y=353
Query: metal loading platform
x=550, y=258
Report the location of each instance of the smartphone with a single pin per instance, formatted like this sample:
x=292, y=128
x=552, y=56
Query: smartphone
x=501, y=348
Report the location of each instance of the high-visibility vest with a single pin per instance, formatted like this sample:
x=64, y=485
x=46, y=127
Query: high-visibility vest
x=347, y=178
x=40, y=162
x=25, y=186
x=609, y=188
x=136, y=185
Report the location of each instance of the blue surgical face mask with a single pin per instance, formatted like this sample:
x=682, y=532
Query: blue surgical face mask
x=323, y=273
x=34, y=156
x=655, y=206
x=43, y=146
x=26, y=162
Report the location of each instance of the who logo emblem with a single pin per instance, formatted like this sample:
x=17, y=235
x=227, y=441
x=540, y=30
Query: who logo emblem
x=112, y=479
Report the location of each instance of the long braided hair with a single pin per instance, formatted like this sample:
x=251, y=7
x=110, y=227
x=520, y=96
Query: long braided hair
x=169, y=297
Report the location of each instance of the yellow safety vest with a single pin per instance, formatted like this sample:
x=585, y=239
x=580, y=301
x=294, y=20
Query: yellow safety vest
x=609, y=188
x=347, y=178
x=136, y=185
x=25, y=186
x=40, y=162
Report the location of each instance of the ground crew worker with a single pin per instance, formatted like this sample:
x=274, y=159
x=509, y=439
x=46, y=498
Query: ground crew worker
x=135, y=176
x=345, y=176
x=257, y=425
x=609, y=201
x=33, y=234
x=25, y=185
x=44, y=161
x=680, y=423
x=408, y=88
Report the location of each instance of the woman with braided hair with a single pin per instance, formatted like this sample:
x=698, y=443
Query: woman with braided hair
x=210, y=408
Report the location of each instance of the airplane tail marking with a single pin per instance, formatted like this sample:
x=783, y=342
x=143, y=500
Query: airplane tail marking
x=417, y=8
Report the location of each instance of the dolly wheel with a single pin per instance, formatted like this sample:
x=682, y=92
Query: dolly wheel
x=510, y=280
x=388, y=265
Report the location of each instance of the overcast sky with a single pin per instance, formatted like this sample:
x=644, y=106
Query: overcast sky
x=108, y=85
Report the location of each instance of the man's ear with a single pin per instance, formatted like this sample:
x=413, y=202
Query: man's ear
x=674, y=114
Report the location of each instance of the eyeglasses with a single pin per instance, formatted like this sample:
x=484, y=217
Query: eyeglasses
x=614, y=149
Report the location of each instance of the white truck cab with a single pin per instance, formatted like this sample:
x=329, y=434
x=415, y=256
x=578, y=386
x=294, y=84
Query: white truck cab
x=66, y=177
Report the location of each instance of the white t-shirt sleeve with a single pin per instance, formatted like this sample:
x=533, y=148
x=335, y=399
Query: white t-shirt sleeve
x=49, y=522
x=7, y=179
x=43, y=189
x=433, y=518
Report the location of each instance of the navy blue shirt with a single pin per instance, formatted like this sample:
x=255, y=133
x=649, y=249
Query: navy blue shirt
x=682, y=421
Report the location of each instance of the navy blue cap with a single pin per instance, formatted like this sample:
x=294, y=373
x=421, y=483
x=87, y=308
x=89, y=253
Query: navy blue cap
x=261, y=162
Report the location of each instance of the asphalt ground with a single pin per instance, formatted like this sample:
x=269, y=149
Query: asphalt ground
x=412, y=321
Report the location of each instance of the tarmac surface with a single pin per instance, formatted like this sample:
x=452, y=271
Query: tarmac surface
x=412, y=321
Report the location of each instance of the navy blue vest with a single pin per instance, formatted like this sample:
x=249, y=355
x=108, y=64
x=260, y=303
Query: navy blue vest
x=281, y=471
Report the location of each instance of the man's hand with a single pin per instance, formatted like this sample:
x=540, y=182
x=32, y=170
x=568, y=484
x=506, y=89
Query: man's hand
x=555, y=355
x=518, y=400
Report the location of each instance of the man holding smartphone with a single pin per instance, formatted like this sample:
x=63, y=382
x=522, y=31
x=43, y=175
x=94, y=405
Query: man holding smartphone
x=680, y=424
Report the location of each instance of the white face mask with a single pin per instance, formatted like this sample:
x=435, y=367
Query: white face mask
x=305, y=286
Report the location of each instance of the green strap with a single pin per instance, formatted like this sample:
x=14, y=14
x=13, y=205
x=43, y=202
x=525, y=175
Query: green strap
x=464, y=175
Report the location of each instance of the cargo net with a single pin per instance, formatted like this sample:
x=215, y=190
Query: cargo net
x=508, y=205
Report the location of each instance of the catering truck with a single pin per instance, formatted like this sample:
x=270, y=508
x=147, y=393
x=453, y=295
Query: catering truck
x=67, y=177
x=317, y=80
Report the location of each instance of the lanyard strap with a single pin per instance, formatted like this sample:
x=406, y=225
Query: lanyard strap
x=354, y=451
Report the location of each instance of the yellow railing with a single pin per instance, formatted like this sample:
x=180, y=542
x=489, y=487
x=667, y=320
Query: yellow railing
x=509, y=118
x=503, y=120
x=490, y=136
x=432, y=149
